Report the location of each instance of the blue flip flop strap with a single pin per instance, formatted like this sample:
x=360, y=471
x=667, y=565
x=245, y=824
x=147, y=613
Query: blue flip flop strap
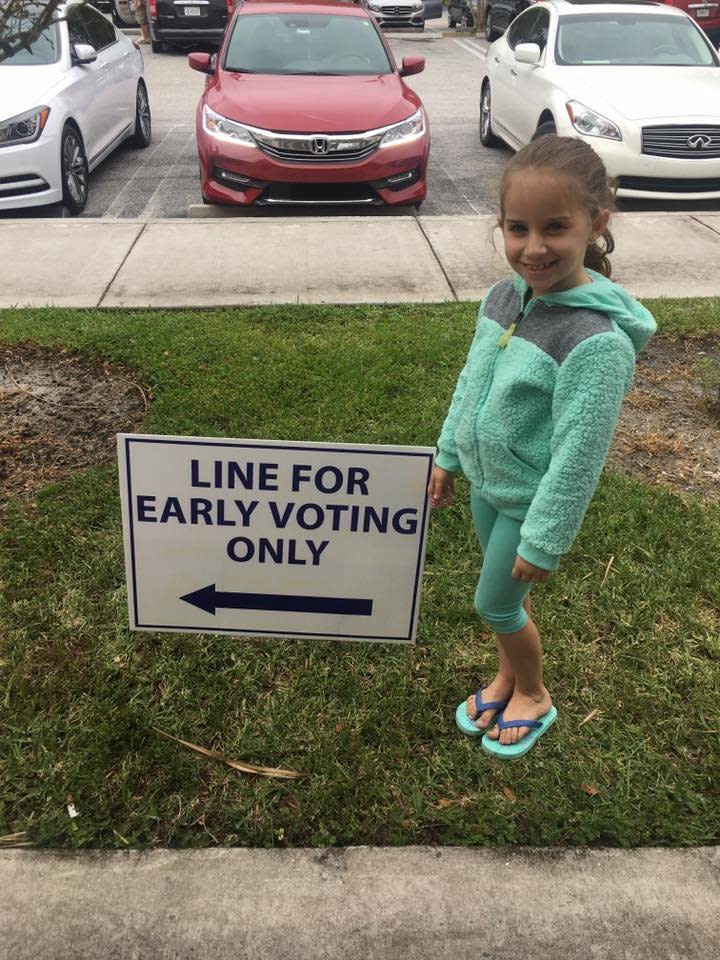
x=506, y=724
x=480, y=705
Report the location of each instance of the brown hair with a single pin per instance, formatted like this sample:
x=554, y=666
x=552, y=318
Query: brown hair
x=573, y=158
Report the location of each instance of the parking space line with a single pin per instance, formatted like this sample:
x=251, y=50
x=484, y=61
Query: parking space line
x=116, y=207
x=153, y=207
x=478, y=52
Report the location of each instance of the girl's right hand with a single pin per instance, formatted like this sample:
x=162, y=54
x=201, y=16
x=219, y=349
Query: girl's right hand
x=441, y=489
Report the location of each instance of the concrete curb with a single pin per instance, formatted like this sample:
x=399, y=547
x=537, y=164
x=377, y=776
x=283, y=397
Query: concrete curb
x=233, y=261
x=362, y=903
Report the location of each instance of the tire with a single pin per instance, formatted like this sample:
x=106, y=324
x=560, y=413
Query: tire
x=490, y=32
x=73, y=170
x=157, y=46
x=451, y=23
x=118, y=20
x=487, y=137
x=544, y=128
x=143, y=119
x=467, y=21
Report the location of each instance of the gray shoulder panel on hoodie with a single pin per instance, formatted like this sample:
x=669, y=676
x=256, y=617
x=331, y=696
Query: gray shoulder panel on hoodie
x=554, y=329
x=558, y=330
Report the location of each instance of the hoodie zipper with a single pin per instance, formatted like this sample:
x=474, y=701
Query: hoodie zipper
x=501, y=343
x=524, y=310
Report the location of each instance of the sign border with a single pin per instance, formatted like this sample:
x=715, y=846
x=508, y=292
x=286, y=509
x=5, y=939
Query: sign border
x=375, y=450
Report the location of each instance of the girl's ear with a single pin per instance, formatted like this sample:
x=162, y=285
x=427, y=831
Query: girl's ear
x=600, y=224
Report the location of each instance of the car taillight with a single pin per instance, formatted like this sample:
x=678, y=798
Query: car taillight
x=230, y=6
x=152, y=6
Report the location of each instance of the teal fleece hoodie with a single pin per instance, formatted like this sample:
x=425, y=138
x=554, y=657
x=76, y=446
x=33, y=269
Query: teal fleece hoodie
x=536, y=404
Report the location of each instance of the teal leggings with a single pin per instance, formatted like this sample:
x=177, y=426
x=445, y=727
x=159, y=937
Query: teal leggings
x=498, y=598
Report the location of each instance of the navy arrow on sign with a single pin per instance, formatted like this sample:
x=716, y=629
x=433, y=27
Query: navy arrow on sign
x=209, y=599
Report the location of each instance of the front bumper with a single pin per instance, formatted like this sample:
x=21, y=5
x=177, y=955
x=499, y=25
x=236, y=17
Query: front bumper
x=30, y=172
x=399, y=17
x=643, y=176
x=235, y=174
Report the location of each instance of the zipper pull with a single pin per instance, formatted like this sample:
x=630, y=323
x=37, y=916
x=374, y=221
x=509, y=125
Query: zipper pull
x=503, y=341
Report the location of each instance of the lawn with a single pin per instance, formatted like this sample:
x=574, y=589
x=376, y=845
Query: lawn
x=370, y=726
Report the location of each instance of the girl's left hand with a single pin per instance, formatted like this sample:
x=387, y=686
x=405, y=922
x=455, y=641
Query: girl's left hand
x=528, y=572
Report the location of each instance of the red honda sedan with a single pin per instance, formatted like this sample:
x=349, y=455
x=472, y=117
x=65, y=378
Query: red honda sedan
x=304, y=104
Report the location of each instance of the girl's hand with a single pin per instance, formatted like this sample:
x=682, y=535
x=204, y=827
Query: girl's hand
x=528, y=572
x=441, y=489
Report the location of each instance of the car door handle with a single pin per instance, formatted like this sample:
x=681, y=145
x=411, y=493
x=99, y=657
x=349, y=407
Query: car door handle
x=497, y=59
x=513, y=72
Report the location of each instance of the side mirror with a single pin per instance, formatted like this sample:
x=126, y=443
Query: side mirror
x=527, y=53
x=201, y=62
x=83, y=53
x=412, y=65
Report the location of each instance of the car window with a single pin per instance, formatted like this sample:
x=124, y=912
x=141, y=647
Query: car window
x=521, y=28
x=101, y=33
x=625, y=39
x=305, y=44
x=76, y=27
x=539, y=30
x=46, y=49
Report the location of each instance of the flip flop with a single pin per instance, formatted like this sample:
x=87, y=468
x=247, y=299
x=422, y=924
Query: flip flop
x=466, y=725
x=509, y=751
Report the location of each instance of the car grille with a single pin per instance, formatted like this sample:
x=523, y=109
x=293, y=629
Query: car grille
x=687, y=142
x=396, y=11
x=317, y=148
x=670, y=185
x=320, y=193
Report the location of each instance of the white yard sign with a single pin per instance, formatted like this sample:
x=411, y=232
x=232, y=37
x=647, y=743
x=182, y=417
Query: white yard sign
x=274, y=538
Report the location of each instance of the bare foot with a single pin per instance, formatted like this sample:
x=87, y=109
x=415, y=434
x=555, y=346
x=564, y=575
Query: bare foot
x=500, y=689
x=522, y=707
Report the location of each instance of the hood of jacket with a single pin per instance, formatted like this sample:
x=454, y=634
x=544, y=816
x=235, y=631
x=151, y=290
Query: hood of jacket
x=606, y=297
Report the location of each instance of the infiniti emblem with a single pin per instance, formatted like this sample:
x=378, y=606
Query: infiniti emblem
x=699, y=142
x=319, y=145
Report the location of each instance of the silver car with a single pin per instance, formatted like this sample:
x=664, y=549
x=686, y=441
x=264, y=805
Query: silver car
x=405, y=13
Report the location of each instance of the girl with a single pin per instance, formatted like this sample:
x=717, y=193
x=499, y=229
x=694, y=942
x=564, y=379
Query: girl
x=534, y=411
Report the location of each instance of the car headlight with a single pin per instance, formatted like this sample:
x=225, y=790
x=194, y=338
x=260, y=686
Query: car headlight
x=25, y=128
x=409, y=129
x=417, y=4
x=376, y=7
x=222, y=128
x=590, y=123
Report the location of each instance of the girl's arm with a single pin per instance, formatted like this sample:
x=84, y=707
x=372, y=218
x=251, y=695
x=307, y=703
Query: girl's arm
x=589, y=391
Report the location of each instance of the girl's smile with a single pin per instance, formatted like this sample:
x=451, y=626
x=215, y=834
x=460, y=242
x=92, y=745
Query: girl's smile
x=547, y=230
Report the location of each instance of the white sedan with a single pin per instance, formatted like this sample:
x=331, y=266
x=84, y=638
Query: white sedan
x=639, y=82
x=65, y=104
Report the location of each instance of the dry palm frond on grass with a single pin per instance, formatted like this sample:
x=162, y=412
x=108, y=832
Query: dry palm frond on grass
x=235, y=764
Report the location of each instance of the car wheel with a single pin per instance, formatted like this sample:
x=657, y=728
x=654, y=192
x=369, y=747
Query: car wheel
x=544, y=128
x=157, y=46
x=143, y=119
x=73, y=170
x=489, y=28
x=467, y=21
x=117, y=19
x=451, y=23
x=487, y=137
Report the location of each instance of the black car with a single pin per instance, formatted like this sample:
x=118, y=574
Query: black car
x=461, y=13
x=182, y=22
x=499, y=14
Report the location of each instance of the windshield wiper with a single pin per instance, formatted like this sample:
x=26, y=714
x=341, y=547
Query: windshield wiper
x=239, y=70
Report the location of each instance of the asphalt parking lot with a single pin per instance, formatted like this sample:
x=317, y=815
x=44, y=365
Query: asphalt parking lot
x=163, y=181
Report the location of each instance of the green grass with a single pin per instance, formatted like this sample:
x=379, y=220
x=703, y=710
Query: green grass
x=370, y=726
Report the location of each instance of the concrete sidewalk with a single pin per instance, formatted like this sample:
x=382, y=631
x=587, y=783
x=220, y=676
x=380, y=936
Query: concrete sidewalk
x=244, y=260
x=362, y=903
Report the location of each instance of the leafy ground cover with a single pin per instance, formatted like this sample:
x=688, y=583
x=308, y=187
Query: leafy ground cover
x=632, y=647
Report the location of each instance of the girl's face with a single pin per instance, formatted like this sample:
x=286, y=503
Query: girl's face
x=546, y=230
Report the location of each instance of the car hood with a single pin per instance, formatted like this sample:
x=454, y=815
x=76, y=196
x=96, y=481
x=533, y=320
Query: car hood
x=297, y=104
x=22, y=88
x=644, y=93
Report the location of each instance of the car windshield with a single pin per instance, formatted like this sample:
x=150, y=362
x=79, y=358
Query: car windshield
x=44, y=50
x=630, y=40
x=309, y=44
